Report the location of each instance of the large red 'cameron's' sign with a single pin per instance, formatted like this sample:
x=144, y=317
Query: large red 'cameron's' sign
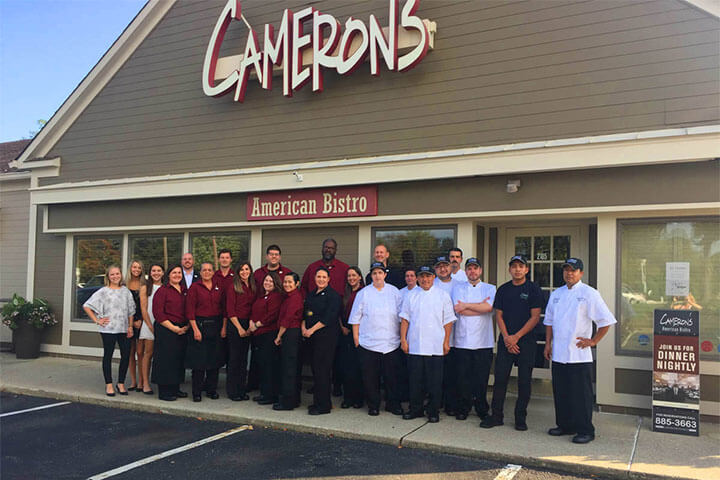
x=340, y=50
x=315, y=203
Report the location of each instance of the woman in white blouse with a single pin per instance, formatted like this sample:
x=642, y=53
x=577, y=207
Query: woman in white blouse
x=112, y=308
x=146, y=342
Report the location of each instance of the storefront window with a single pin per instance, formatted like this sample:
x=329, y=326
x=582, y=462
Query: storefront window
x=415, y=246
x=92, y=256
x=163, y=249
x=204, y=246
x=649, y=249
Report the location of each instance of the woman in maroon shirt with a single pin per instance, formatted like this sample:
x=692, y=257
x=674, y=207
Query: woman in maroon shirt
x=264, y=327
x=205, y=355
x=239, y=301
x=288, y=338
x=170, y=339
x=352, y=375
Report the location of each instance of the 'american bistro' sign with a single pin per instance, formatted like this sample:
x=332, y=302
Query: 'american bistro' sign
x=301, y=56
x=316, y=203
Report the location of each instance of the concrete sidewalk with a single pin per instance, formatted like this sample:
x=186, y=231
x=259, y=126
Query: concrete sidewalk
x=625, y=446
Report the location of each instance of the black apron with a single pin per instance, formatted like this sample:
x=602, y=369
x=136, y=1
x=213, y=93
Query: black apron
x=208, y=353
x=168, y=359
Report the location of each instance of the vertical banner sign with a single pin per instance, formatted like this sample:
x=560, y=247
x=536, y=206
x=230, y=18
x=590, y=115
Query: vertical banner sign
x=676, y=372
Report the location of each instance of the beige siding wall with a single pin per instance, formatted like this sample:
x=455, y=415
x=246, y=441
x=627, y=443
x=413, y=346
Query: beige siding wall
x=302, y=246
x=502, y=72
x=50, y=277
x=14, y=216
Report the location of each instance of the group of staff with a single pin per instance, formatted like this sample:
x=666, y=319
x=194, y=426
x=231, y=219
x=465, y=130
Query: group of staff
x=426, y=334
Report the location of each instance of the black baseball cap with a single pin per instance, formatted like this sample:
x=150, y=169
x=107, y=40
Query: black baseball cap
x=518, y=258
x=425, y=270
x=379, y=265
x=440, y=260
x=574, y=263
x=472, y=261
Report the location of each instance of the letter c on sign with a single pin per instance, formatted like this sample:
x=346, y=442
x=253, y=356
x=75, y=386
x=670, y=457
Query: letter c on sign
x=230, y=11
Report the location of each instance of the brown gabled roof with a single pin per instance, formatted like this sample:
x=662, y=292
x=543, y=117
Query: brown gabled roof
x=9, y=151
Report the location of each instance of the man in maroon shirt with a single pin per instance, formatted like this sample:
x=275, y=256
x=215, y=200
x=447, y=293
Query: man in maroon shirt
x=273, y=255
x=338, y=270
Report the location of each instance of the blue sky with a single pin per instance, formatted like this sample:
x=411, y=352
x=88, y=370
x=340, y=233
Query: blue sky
x=46, y=49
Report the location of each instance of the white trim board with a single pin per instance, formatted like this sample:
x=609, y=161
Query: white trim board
x=640, y=148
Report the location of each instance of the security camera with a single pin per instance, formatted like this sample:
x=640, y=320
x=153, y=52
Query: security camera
x=298, y=176
x=512, y=186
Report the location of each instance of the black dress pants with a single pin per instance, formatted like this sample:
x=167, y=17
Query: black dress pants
x=268, y=358
x=573, y=395
x=504, y=361
x=109, y=340
x=290, y=368
x=375, y=364
x=323, y=343
x=204, y=380
x=253, y=377
x=473, y=371
x=449, y=383
x=426, y=377
x=352, y=373
x=237, y=361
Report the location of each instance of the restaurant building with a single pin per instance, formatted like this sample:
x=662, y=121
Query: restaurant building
x=548, y=129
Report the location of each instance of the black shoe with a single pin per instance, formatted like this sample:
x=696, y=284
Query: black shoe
x=316, y=411
x=433, y=418
x=197, y=398
x=520, y=425
x=395, y=410
x=118, y=390
x=412, y=415
x=148, y=392
x=461, y=416
x=345, y=405
x=257, y=398
x=373, y=412
x=267, y=401
x=280, y=406
x=583, y=438
x=240, y=398
x=112, y=394
x=557, y=432
x=358, y=405
x=167, y=398
x=490, y=422
x=181, y=394
x=213, y=395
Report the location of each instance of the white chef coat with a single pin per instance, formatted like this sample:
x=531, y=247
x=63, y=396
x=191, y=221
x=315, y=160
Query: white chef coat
x=473, y=331
x=459, y=276
x=427, y=312
x=571, y=312
x=376, y=311
x=448, y=288
x=404, y=292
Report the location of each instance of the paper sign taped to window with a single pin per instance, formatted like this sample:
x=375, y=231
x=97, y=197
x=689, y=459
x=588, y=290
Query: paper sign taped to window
x=677, y=278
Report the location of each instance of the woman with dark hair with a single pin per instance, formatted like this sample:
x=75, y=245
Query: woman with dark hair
x=147, y=330
x=134, y=281
x=264, y=327
x=113, y=309
x=350, y=361
x=170, y=340
x=288, y=339
x=239, y=301
x=205, y=355
x=320, y=326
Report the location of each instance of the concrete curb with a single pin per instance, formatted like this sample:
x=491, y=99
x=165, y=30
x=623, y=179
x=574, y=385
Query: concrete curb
x=566, y=467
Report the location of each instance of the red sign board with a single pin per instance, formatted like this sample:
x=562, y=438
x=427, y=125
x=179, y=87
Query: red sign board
x=315, y=203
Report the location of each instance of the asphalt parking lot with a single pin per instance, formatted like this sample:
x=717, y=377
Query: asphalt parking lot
x=44, y=438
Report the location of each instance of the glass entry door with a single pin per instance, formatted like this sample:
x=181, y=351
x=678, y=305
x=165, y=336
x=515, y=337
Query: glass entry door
x=546, y=249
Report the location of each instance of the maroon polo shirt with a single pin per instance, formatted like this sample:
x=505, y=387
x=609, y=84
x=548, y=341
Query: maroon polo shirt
x=266, y=310
x=348, y=307
x=291, y=310
x=224, y=282
x=203, y=302
x=169, y=304
x=239, y=305
x=259, y=275
x=338, y=276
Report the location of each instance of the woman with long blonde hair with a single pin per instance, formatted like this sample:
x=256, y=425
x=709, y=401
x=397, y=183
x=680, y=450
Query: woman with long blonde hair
x=134, y=281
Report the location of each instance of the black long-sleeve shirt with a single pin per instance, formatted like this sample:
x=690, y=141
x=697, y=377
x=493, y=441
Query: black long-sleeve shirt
x=324, y=307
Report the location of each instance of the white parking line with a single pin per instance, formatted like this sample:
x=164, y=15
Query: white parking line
x=159, y=456
x=18, y=412
x=508, y=472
